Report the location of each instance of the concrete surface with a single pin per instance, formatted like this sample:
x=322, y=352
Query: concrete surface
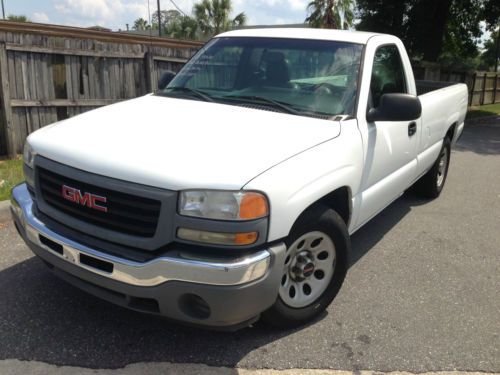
x=4, y=211
x=421, y=295
x=16, y=367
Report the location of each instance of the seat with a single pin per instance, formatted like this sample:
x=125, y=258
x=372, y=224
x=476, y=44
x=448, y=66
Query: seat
x=277, y=70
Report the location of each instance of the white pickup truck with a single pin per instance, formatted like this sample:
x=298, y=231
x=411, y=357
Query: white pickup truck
x=231, y=193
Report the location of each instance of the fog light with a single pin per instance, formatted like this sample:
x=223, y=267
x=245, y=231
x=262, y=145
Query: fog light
x=217, y=238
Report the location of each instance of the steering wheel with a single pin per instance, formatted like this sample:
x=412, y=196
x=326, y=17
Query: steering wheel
x=328, y=89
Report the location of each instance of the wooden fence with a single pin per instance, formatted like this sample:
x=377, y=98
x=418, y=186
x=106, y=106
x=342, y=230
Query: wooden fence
x=49, y=73
x=485, y=88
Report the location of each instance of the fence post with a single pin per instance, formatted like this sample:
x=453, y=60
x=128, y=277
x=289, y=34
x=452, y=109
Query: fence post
x=495, y=89
x=483, y=94
x=473, y=88
x=8, y=133
x=151, y=80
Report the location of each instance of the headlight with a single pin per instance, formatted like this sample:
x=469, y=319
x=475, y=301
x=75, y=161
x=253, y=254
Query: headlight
x=28, y=155
x=223, y=205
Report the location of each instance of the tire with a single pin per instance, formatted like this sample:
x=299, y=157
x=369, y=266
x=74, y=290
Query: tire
x=304, y=247
x=432, y=183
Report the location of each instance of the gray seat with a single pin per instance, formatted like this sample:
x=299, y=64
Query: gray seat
x=277, y=70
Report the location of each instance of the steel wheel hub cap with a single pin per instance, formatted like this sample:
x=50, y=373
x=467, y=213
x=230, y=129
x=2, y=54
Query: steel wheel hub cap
x=303, y=267
x=309, y=268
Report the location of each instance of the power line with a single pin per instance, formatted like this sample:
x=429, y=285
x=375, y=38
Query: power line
x=179, y=9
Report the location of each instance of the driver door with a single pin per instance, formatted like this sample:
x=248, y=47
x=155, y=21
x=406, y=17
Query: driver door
x=390, y=161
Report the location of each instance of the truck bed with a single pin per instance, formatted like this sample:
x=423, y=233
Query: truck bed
x=424, y=87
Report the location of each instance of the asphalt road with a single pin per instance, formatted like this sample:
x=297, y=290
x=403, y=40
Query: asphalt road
x=422, y=294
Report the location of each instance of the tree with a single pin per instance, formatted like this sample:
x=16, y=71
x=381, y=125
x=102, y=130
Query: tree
x=330, y=14
x=184, y=28
x=213, y=16
x=444, y=30
x=168, y=17
x=490, y=55
x=141, y=24
x=18, y=18
x=384, y=16
x=427, y=20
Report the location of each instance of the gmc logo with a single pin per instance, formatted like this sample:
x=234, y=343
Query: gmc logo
x=86, y=199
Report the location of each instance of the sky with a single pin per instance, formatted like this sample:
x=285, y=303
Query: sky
x=115, y=14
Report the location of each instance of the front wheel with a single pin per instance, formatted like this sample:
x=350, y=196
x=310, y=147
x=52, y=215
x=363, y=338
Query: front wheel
x=314, y=268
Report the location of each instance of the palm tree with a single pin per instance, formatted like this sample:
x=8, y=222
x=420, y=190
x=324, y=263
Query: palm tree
x=141, y=24
x=213, y=16
x=327, y=14
x=184, y=28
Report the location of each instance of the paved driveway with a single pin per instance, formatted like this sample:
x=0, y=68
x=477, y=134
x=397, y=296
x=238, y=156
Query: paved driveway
x=422, y=294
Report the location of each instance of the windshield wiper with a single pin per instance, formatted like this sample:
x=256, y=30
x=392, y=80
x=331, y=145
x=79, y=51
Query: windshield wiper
x=200, y=94
x=253, y=98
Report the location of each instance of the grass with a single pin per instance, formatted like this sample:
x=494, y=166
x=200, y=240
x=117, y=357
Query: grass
x=11, y=173
x=483, y=111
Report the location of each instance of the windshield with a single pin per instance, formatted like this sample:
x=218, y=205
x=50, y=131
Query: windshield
x=305, y=77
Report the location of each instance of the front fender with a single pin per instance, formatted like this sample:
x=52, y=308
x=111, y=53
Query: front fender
x=302, y=180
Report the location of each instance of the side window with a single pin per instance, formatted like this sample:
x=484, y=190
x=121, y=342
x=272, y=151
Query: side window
x=388, y=74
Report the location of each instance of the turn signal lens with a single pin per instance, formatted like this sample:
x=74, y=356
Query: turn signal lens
x=216, y=238
x=245, y=238
x=253, y=206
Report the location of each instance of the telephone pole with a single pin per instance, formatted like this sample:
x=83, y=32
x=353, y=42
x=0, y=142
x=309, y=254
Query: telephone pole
x=159, y=18
x=3, y=11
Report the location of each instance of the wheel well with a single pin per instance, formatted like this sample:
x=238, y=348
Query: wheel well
x=338, y=200
x=451, y=131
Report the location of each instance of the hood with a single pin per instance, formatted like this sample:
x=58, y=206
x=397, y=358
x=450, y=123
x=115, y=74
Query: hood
x=180, y=144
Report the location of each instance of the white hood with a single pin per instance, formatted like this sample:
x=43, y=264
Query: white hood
x=180, y=144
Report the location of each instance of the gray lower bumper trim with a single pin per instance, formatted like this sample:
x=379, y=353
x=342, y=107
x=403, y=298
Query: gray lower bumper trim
x=182, y=267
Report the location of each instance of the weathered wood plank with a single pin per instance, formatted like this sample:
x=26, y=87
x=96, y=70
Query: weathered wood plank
x=73, y=51
x=63, y=102
x=24, y=75
x=33, y=113
x=11, y=66
x=170, y=59
x=150, y=73
x=19, y=116
x=93, y=85
x=6, y=109
x=40, y=88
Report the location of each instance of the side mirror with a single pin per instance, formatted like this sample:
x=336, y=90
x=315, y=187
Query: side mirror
x=165, y=79
x=396, y=107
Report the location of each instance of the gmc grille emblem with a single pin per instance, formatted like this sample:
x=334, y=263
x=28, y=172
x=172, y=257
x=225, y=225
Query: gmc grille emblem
x=84, y=199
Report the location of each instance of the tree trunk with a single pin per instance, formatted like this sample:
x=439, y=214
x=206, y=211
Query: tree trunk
x=434, y=33
x=329, y=17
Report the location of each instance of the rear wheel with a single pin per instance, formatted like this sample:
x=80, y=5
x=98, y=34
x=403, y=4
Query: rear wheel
x=314, y=268
x=432, y=183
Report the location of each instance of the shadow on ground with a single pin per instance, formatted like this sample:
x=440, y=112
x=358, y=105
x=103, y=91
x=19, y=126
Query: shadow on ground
x=483, y=139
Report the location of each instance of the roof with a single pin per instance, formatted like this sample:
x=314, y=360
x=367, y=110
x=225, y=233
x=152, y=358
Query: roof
x=359, y=37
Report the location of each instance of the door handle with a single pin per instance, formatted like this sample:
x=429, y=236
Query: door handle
x=412, y=128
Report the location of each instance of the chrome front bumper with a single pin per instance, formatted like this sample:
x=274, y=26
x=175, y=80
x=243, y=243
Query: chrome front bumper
x=185, y=267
